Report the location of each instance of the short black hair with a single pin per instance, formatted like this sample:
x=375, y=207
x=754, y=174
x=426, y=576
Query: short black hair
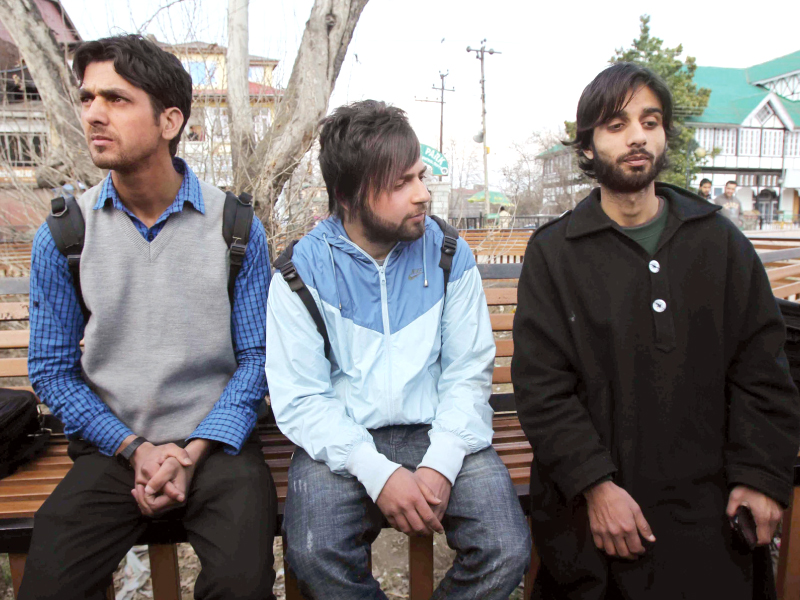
x=729, y=182
x=364, y=148
x=143, y=64
x=703, y=182
x=605, y=97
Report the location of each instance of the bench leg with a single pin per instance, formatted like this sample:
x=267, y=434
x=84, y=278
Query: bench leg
x=789, y=560
x=420, y=567
x=164, y=572
x=289, y=579
x=17, y=564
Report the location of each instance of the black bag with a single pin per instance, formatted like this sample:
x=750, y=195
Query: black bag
x=22, y=436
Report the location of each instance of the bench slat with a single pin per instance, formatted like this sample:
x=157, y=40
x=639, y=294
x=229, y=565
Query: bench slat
x=502, y=322
x=14, y=311
x=13, y=367
x=18, y=338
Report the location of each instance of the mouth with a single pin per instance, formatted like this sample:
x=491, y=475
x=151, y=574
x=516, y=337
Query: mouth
x=101, y=140
x=637, y=160
x=417, y=218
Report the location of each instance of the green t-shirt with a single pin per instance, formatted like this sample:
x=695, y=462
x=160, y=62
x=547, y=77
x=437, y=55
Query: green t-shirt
x=648, y=234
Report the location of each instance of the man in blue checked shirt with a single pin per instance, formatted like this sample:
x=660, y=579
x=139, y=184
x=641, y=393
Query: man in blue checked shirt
x=160, y=407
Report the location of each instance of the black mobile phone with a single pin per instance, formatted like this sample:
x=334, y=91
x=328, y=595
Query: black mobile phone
x=744, y=526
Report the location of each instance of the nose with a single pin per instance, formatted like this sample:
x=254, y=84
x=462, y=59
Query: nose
x=423, y=195
x=636, y=135
x=93, y=112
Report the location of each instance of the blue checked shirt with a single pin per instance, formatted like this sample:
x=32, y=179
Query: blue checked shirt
x=57, y=327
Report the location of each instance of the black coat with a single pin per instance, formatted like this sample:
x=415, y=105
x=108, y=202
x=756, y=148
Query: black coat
x=667, y=372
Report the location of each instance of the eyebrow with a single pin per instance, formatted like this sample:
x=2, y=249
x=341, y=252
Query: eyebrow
x=653, y=111
x=104, y=93
x=410, y=176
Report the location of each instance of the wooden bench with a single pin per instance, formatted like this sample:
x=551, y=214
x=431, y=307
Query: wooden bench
x=22, y=493
x=497, y=245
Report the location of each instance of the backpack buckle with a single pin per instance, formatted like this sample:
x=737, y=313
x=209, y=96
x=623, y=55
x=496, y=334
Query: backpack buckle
x=237, y=250
x=449, y=245
x=288, y=271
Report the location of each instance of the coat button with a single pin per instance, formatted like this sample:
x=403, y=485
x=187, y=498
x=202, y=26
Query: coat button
x=654, y=266
x=659, y=305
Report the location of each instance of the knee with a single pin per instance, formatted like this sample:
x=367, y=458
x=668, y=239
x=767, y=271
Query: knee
x=509, y=556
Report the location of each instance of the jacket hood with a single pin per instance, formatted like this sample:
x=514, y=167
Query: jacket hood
x=331, y=231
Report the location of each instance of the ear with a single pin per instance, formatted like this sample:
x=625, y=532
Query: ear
x=588, y=154
x=171, y=123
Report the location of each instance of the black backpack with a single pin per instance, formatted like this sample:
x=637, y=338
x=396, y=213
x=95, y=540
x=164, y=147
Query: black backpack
x=22, y=429
x=68, y=227
x=284, y=264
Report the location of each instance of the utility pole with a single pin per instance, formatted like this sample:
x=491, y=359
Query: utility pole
x=442, y=89
x=479, y=54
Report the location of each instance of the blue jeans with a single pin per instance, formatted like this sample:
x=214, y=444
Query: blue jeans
x=330, y=522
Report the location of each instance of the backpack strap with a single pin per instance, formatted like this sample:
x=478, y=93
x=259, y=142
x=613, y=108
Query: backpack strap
x=285, y=265
x=67, y=227
x=237, y=219
x=449, y=245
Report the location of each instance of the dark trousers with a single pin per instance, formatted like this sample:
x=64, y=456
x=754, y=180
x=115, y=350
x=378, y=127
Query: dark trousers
x=91, y=520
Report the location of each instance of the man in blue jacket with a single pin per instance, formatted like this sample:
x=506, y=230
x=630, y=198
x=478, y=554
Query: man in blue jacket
x=393, y=423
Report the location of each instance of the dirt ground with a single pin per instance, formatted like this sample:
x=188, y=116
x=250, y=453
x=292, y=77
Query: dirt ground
x=389, y=566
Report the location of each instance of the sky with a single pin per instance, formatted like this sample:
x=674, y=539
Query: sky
x=549, y=51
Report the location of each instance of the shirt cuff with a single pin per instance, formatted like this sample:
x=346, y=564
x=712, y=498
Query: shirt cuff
x=370, y=467
x=106, y=432
x=445, y=454
x=230, y=427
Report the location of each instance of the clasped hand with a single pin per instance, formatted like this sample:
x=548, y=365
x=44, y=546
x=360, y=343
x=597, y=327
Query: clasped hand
x=414, y=503
x=162, y=477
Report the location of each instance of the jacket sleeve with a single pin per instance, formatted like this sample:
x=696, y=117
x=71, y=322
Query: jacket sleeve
x=303, y=401
x=764, y=409
x=463, y=421
x=565, y=443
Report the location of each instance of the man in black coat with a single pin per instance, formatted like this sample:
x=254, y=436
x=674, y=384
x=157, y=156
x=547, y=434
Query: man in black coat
x=649, y=374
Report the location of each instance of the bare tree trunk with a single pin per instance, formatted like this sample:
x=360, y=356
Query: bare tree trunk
x=322, y=51
x=239, y=112
x=68, y=157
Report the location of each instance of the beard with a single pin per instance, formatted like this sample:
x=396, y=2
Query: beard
x=614, y=176
x=116, y=158
x=380, y=231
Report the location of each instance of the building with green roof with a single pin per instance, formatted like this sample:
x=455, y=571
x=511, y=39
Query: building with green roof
x=752, y=121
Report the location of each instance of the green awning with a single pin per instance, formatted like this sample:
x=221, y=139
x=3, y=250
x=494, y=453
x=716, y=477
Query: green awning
x=494, y=198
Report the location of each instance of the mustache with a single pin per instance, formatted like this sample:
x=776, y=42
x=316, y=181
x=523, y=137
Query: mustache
x=636, y=154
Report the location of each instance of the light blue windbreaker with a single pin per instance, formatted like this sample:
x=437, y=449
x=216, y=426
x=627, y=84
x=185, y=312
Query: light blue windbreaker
x=396, y=358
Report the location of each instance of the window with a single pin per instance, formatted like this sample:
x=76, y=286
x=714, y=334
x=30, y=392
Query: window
x=793, y=144
x=256, y=74
x=764, y=114
x=21, y=150
x=748, y=179
x=196, y=133
x=749, y=142
x=772, y=142
x=768, y=180
x=202, y=72
x=725, y=140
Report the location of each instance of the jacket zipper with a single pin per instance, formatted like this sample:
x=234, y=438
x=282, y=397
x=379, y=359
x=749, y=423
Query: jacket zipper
x=387, y=334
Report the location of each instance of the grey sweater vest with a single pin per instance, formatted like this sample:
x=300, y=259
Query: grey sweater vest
x=158, y=344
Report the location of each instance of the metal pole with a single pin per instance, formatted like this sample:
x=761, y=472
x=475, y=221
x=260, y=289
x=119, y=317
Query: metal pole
x=480, y=55
x=441, y=116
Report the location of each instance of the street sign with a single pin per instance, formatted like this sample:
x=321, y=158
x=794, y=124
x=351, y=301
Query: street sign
x=435, y=160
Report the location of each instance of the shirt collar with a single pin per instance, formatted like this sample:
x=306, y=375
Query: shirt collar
x=589, y=216
x=188, y=192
